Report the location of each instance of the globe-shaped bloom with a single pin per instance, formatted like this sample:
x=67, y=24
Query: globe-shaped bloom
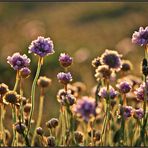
x=65, y=60
x=106, y=94
x=18, y=61
x=140, y=92
x=41, y=46
x=112, y=59
x=138, y=113
x=64, y=78
x=140, y=37
x=25, y=72
x=127, y=111
x=126, y=65
x=124, y=87
x=85, y=108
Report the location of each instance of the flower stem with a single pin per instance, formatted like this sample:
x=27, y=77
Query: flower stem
x=41, y=103
x=33, y=93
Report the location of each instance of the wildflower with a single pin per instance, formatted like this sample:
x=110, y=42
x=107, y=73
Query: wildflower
x=65, y=98
x=103, y=71
x=85, y=108
x=126, y=65
x=43, y=82
x=41, y=46
x=112, y=59
x=140, y=37
x=53, y=123
x=96, y=62
x=51, y=141
x=39, y=131
x=64, y=78
x=3, y=88
x=138, y=113
x=140, y=92
x=106, y=94
x=18, y=61
x=78, y=136
x=97, y=135
x=27, y=108
x=11, y=97
x=124, y=87
x=20, y=127
x=25, y=72
x=65, y=60
x=127, y=111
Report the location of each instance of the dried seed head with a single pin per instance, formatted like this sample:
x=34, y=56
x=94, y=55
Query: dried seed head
x=39, y=131
x=11, y=97
x=51, y=141
x=20, y=127
x=52, y=123
x=27, y=108
x=3, y=88
x=43, y=82
x=78, y=136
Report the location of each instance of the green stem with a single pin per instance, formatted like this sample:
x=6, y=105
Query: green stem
x=41, y=103
x=33, y=93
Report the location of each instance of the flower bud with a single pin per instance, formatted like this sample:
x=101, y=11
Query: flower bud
x=51, y=141
x=20, y=127
x=52, y=123
x=39, y=131
x=43, y=82
x=27, y=108
x=25, y=72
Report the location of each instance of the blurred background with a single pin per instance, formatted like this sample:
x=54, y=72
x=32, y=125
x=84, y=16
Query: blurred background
x=83, y=30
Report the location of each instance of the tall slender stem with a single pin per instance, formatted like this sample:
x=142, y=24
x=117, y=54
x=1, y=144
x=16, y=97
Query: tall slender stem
x=41, y=103
x=33, y=93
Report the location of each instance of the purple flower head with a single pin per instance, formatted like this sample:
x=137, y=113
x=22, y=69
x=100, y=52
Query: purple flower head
x=25, y=72
x=140, y=37
x=111, y=93
x=138, y=113
x=85, y=108
x=18, y=61
x=65, y=60
x=139, y=92
x=41, y=46
x=124, y=87
x=112, y=59
x=127, y=111
x=64, y=78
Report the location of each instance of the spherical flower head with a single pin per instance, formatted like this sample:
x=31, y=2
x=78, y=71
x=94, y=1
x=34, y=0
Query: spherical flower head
x=11, y=97
x=140, y=37
x=106, y=94
x=44, y=82
x=103, y=71
x=39, y=131
x=124, y=87
x=112, y=59
x=85, y=108
x=140, y=92
x=78, y=136
x=127, y=111
x=138, y=113
x=41, y=46
x=64, y=78
x=18, y=61
x=20, y=127
x=65, y=60
x=126, y=65
x=96, y=62
x=65, y=98
x=52, y=123
x=25, y=72
x=51, y=141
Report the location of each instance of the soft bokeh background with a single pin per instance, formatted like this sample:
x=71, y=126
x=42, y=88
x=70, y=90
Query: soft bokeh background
x=84, y=30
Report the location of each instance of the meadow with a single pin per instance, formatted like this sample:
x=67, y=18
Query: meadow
x=83, y=77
